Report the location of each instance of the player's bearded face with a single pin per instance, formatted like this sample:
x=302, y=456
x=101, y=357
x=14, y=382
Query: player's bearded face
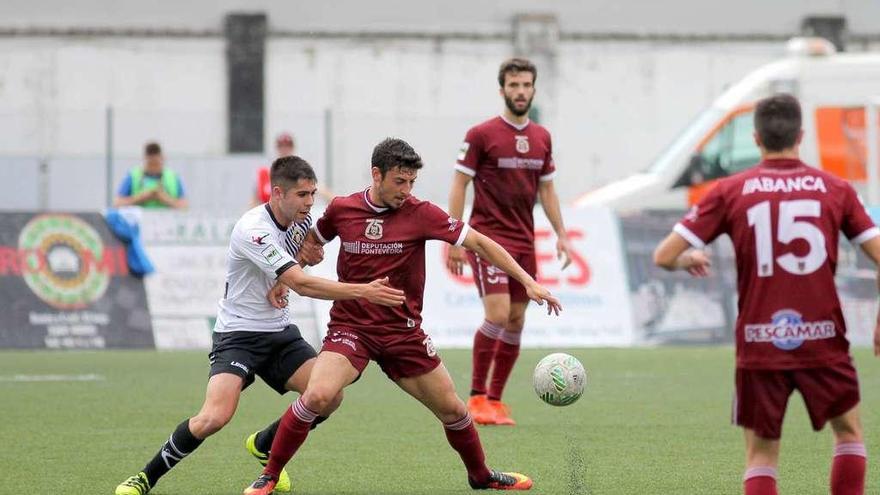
x=396, y=186
x=518, y=92
x=296, y=202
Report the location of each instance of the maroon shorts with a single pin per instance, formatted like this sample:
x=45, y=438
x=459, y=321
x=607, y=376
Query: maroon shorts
x=402, y=354
x=761, y=396
x=492, y=280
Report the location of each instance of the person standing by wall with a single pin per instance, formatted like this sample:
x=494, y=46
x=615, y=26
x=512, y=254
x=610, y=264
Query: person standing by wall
x=152, y=185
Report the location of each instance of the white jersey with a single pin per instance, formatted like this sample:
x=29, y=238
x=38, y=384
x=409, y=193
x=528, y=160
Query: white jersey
x=259, y=251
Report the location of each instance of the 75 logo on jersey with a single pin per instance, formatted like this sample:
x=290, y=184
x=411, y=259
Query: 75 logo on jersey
x=374, y=229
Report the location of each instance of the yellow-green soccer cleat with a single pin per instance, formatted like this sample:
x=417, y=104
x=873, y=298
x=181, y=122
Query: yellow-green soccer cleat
x=283, y=485
x=136, y=485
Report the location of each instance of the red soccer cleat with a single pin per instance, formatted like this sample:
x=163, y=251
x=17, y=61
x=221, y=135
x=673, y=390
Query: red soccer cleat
x=264, y=485
x=480, y=410
x=503, y=481
x=500, y=413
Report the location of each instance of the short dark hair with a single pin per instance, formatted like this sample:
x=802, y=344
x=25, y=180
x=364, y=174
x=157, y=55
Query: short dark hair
x=288, y=170
x=152, y=148
x=778, y=121
x=394, y=152
x=514, y=65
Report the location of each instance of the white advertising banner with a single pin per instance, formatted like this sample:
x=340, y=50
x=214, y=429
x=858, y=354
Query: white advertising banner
x=190, y=259
x=593, y=292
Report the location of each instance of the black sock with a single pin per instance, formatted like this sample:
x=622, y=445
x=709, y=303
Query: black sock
x=318, y=420
x=181, y=444
x=263, y=442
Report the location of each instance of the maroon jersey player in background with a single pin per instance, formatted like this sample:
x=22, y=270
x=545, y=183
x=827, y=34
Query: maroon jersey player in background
x=382, y=231
x=510, y=160
x=784, y=218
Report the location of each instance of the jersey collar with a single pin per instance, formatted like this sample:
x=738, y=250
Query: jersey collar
x=275, y=220
x=782, y=163
x=518, y=127
x=369, y=203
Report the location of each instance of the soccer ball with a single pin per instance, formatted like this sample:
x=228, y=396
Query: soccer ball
x=559, y=379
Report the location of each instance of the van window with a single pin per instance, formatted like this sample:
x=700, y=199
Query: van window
x=731, y=150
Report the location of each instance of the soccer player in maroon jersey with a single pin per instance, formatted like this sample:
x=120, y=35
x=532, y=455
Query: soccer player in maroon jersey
x=510, y=161
x=382, y=231
x=784, y=218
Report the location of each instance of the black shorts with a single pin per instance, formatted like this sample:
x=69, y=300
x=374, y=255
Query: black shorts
x=274, y=356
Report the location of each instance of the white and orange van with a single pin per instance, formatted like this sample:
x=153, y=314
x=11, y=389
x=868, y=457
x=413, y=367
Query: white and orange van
x=834, y=89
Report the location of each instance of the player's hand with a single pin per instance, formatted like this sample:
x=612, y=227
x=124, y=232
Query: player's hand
x=539, y=294
x=163, y=196
x=379, y=292
x=455, y=260
x=278, y=296
x=311, y=253
x=697, y=263
x=563, y=251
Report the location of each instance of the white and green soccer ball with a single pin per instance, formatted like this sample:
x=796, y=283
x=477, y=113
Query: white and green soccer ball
x=560, y=379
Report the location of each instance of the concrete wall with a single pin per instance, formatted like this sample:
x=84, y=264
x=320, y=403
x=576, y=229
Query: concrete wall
x=611, y=106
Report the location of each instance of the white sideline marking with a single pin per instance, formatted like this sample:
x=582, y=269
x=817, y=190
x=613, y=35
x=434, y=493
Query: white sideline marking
x=52, y=378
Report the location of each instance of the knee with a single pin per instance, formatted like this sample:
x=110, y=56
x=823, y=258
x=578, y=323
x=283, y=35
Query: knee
x=206, y=423
x=515, y=324
x=322, y=400
x=847, y=433
x=452, y=410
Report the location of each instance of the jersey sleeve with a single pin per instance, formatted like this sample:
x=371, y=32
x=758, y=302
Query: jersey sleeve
x=260, y=247
x=437, y=224
x=470, y=153
x=548, y=171
x=325, y=227
x=125, y=187
x=181, y=193
x=705, y=221
x=857, y=225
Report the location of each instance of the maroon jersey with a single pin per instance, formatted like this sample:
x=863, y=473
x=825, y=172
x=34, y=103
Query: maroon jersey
x=383, y=242
x=784, y=218
x=507, y=163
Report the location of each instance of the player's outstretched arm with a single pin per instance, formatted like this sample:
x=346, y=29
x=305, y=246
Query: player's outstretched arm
x=871, y=247
x=492, y=251
x=457, y=194
x=675, y=253
x=377, y=291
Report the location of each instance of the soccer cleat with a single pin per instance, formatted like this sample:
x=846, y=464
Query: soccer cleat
x=136, y=485
x=501, y=413
x=283, y=483
x=479, y=408
x=264, y=485
x=503, y=481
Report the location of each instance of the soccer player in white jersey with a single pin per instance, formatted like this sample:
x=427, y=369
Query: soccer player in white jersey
x=251, y=337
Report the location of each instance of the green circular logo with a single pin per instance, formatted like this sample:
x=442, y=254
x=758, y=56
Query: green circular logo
x=62, y=261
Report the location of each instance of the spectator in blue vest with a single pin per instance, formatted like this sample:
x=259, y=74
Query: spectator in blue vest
x=153, y=185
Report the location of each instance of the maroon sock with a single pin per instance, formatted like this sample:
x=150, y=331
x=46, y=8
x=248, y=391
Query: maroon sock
x=848, y=469
x=506, y=352
x=463, y=437
x=760, y=481
x=292, y=432
x=484, y=350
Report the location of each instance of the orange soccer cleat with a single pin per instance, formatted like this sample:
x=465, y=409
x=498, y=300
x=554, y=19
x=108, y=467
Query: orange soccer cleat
x=503, y=481
x=500, y=413
x=478, y=406
x=264, y=485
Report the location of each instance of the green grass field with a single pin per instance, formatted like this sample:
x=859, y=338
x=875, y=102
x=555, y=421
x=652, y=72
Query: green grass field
x=653, y=421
